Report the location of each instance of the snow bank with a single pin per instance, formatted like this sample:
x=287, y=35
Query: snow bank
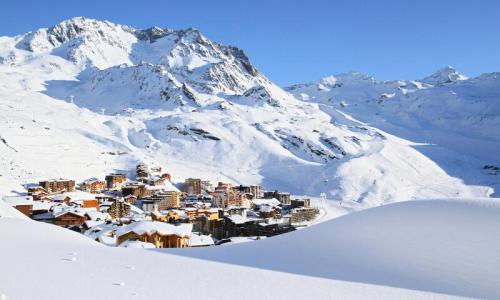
x=406, y=250
x=442, y=246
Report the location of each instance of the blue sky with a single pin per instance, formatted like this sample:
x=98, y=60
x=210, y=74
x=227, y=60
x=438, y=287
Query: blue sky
x=301, y=41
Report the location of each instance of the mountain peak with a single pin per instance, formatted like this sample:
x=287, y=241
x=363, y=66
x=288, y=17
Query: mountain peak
x=444, y=75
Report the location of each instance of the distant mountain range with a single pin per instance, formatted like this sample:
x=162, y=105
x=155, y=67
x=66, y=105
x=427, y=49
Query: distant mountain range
x=87, y=97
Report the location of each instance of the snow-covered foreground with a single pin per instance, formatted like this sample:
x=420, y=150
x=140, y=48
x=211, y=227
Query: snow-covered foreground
x=415, y=249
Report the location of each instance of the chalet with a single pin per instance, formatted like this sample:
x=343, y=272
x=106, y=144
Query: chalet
x=137, y=244
x=94, y=218
x=42, y=206
x=93, y=186
x=162, y=235
x=83, y=199
x=103, y=233
x=57, y=186
x=37, y=192
x=69, y=218
x=115, y=181
x=23, y=204
x=268, y=211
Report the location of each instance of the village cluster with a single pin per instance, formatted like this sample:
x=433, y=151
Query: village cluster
x=151, y=212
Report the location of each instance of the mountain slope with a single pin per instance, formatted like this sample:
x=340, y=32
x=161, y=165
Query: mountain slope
x=451, y=119
x=83, y=90
x=380, y=253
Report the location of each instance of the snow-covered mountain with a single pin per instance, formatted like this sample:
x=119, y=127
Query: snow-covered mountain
x=75, y=95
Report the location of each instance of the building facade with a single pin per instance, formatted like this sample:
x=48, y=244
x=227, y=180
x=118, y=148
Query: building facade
x=115, y=181
x=192, y=186
x=57, y=186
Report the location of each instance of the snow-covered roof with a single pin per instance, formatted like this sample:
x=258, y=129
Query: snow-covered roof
x=45, y=216
x=200, y=240
x=137, y=244
x=72, y=211
x=266, y=208
x=244, y=239
x=272, y=202
x=42, y=205
x=162, y=228
x=92, y=223
x=239, y=219
x=74, y=196
x=97, y=215
x=91, y=180
x=18, y=200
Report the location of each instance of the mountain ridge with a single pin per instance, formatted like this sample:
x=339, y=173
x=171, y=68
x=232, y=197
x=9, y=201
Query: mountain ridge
x=147, y=96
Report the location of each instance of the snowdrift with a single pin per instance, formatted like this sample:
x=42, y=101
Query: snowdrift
x=416, y=249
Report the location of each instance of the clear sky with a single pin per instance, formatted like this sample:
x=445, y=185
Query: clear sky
x=300, y=41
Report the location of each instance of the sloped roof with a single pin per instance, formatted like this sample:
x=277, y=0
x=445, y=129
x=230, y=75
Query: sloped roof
x=162, y=228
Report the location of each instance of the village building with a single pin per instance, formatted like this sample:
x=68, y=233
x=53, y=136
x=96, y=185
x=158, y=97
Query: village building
x=95, y=218
x=119, y=209
x=305, y=202
x=115, y=181
x=211, y=223
x=41, y=207
x=142, y=173
x=137, y=245
x=225, y=195
x=93, y=186
x=23, y=204
x=163, y=200
x=206, y=186
x=192, y=186
x=282, y=197
x=303, y=214
x=268, y=211
x=130, y=199
x=200, y=240
x=160, y=234
x=103, y=233
x=69, y=218
x=140, y=190
x=254, y=190
x=82, y=199
x=37, y=192
x=57, y=186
